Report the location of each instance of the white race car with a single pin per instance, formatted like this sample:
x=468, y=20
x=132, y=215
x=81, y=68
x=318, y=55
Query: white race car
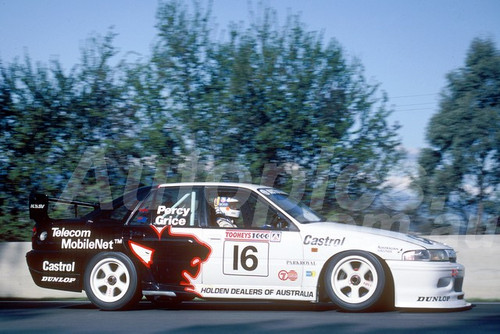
x=224, y=240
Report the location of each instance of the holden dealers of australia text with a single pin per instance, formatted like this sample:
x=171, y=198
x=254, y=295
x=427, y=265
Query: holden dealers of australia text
x=77, y=239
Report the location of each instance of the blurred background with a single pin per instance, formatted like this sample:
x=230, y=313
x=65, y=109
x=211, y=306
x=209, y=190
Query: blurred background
x=383, y=114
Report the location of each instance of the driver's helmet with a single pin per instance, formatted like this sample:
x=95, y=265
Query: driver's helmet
x=226, y=206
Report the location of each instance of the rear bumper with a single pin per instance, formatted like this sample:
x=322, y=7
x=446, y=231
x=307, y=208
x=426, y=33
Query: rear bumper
x=428, y=284
x=49, y=270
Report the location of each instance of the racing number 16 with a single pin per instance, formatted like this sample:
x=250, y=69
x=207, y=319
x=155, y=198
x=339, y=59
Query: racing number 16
x=246, y=259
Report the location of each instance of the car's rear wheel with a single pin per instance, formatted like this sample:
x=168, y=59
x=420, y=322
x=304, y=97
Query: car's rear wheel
x=111, y=281
x=355, y=280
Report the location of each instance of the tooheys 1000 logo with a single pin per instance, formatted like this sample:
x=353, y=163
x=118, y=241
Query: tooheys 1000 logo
x=78, y=239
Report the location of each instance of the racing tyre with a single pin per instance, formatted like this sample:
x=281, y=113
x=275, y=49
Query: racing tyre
x=355, y=280
x=111, y=281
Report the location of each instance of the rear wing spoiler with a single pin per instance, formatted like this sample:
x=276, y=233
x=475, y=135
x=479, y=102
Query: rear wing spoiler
x=39, y=206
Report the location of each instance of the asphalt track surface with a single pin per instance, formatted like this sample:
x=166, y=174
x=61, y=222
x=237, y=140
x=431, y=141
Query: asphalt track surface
x=231, y=317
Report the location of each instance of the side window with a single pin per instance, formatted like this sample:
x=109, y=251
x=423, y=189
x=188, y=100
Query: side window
x=240, y=208
x=176, y=206
x=115, y=216
x=120, y=213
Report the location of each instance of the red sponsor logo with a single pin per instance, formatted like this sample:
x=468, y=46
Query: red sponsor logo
x=288, y=275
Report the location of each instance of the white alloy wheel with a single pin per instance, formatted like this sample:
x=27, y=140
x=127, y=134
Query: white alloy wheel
x=355, y=280
x=111, y=281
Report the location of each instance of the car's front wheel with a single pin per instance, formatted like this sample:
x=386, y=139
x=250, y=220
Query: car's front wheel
x=111, y=281
x=355, y=280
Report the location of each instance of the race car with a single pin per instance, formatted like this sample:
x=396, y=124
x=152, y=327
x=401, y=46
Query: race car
x=176, y=242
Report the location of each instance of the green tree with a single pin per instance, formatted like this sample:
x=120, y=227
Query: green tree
x=270, y=94
x=462, y=163
x=49, y=119
x=32, y=135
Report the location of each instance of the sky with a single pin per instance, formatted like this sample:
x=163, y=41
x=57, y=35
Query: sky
x=407, y=47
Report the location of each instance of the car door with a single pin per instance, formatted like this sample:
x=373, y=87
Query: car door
x=256, y=258
x=162, y=235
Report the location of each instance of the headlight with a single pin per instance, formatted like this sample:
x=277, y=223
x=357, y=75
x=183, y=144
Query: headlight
x=436, y=255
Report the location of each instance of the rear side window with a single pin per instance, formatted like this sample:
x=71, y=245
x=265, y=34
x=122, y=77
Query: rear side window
x=174, y=206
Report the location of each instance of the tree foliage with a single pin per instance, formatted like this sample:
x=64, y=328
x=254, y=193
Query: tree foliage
x=266, y=95
x=462, y=164
x=270, y=94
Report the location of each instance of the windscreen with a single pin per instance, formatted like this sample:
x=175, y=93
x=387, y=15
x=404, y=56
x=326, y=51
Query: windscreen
x=301, y=212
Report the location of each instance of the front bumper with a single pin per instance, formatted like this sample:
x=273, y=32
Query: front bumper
x=428, y=284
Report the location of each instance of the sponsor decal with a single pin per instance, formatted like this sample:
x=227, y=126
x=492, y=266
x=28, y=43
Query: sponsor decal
x=173, y=211
x=275, y=236
x=58, y=279
x=173, y=221
x=37, y=206
x=287, y=275
x=294, y=293
x=232, y=291
x=300, y=263
x=325, y=241
x=142, y=219
x=253, y=235
x=310, y=273
x=388, y=249
x=86, y=244
x=171, y=216
x=58, y=266
x=434, y=299
x=64, y=233
x=204, y=291
x=81, y=241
